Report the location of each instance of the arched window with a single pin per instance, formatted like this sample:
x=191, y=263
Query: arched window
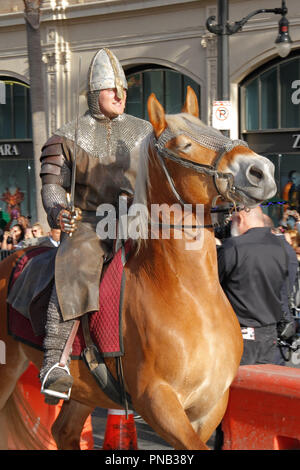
x=270, y=97
x=17, y=183
x=15, y=113
x=168, y=85
x=270, y=122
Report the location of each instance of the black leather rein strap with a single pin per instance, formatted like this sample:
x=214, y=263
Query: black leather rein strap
x=195, y=166
x=209, y=170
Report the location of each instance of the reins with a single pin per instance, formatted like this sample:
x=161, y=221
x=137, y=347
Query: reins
x=202, y=168
x=209, y=170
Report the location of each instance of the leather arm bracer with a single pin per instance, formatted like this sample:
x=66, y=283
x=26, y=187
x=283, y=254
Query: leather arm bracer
x=52, y=160
x=56, y=176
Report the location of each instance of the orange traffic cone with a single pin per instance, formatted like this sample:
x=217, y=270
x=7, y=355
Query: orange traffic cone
x=120, y=433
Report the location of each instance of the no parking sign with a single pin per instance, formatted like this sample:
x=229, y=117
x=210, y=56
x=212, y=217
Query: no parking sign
x=222, y=115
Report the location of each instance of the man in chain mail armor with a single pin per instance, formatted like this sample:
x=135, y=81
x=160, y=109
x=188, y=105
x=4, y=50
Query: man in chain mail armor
x=106, y=140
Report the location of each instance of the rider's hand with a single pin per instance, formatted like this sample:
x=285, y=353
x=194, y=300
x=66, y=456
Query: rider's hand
x=67, y=220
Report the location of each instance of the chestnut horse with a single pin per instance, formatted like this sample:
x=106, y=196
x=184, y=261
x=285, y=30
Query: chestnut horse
x=182, y=340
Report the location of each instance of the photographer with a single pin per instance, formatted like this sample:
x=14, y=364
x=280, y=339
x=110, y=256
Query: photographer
x=7, y=241
x=12, y=239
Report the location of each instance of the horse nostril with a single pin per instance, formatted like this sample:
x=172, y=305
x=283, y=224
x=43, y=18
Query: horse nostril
x=254, y=175
x=256, y=172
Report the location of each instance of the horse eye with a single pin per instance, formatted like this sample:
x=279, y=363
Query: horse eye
x=187, y=146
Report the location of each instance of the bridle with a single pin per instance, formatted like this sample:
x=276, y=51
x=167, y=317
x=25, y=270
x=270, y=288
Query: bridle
x=209, y=170
x=202, y=168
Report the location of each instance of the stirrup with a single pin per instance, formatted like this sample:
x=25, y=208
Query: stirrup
x=54, y=393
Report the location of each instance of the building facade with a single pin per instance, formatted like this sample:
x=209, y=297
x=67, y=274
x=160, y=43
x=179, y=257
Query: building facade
x=163, y=46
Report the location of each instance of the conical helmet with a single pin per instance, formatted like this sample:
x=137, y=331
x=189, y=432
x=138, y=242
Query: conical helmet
x=105, y=72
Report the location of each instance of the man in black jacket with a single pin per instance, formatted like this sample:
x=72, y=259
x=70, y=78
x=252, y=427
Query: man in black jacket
x=253, y=269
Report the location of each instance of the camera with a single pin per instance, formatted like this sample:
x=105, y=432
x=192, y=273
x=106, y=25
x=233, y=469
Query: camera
x=9, y=240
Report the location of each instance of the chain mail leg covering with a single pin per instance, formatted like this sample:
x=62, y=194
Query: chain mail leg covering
x=57, y=333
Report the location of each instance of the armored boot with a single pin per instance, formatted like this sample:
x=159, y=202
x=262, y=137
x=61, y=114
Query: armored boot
x=55, y=376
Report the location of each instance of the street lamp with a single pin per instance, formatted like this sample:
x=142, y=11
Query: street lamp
x=223, y=29
x=283, y=41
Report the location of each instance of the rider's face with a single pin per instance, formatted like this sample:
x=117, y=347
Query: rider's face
x=109, y=103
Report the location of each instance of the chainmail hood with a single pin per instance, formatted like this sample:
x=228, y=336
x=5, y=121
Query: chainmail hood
x=104, y=72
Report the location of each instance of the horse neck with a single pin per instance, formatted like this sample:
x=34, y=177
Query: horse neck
x=174, y=247
x=180, y=239
x=181, y=260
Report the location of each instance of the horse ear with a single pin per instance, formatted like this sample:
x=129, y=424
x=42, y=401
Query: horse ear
x=191, y=103
x=156, y=115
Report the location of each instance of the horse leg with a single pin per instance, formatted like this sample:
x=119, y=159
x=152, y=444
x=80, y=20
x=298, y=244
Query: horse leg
x=16, y=363
x=165, y=414
x=68, y=426
x=207, y=424
x=9, y=375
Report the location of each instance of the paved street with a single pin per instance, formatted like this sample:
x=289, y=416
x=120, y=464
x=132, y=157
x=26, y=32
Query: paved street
x=147, y=438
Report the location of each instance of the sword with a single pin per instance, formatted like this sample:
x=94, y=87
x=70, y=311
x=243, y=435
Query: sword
x=71, y=196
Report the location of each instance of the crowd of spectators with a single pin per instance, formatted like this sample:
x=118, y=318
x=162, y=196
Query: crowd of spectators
x=22, y=234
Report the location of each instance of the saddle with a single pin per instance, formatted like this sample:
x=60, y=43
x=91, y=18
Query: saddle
x=98, y=336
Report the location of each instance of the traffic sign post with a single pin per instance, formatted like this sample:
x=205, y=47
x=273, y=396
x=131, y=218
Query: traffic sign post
x=222, y=115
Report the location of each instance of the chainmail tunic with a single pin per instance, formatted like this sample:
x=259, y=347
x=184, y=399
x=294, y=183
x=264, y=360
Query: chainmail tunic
x=105, y=138
x=106, y=165
x=107, y=156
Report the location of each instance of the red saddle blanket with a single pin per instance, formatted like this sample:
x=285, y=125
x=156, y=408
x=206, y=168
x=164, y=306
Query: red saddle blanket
x=105, y=324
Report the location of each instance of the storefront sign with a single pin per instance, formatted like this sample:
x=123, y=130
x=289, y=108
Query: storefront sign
x=222, y=115
x=296, y=143
x=273, y=142
x=9, y=150
x=296, y=94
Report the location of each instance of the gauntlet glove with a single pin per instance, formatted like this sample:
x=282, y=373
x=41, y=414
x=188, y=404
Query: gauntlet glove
x=67, y=220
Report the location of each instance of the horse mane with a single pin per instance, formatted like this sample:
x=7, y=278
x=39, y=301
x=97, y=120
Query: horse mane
x=142, y=186
x=190, y=125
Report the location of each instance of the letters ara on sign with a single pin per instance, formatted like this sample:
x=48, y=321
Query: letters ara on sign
x=222, y=115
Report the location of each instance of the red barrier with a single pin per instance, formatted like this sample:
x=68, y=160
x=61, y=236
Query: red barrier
x=30, y=386
x=263, y=411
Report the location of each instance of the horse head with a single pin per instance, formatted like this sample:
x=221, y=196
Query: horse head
x=190, y=151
